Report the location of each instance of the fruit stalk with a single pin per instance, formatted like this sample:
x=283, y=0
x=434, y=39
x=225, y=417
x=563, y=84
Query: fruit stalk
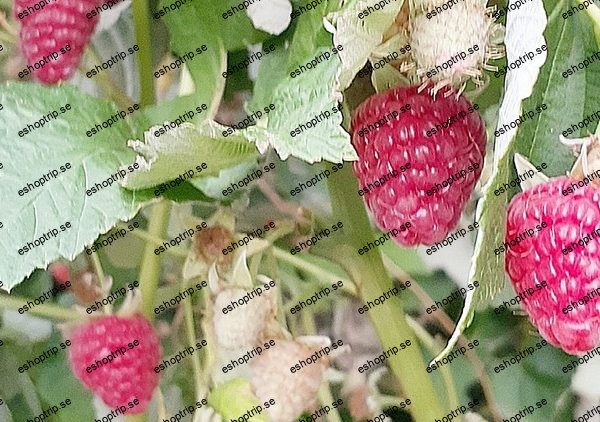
x=143, y=37
x=150, y=269
x=370, y=276
x=45, y=310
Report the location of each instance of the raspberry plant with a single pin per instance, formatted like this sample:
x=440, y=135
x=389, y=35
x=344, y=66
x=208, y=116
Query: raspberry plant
x=201, y=213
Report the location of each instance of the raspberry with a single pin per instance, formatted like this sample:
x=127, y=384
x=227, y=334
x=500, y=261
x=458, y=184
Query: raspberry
x=58, y=25
x=245, y=325
x=570, y=275
x=451, y=46
x=61, y=273
x=412, y=196
x=293, y=392
x=120, y=377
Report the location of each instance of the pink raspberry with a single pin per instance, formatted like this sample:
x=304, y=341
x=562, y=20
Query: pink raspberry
x=545, y=256
x=123, y=371
x=61, y=27
x=386, y=142
x=61, y=273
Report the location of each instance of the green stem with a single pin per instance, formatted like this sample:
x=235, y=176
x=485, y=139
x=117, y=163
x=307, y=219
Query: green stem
x=101, y=278
x=371, y=279
x=191, y=334
x=98, y=269
x=143, y=37
x=284, y=227
x=106, y=82
x=144, y=235
x=430, y=344
x=44, y=310
x=272, y=271
x=150, y=269
x=166, y=293
x=317, y=271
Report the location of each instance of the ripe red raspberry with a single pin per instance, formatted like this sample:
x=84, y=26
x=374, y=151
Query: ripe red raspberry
x=48, y=30
x=122, y=373
x=570, y=275
x=436, y=156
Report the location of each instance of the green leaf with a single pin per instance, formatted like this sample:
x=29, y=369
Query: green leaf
x=214, y=186
x=189, y=32
x=19, y=394
x=191, y=28
x=534, y=379
x=387, y=77
x=564, y=409
x=537, y=139
x=308, y=98
x=57, y=368
x=273, y=71
x=238, y=81
x=305, y=99
x=5, y=414
x=361, y=36
x=183, y=192
x=180, y=151
x=236, y=32
x=62, y=199
x=170, y=111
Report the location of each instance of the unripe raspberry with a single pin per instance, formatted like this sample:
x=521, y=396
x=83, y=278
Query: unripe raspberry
x=439, y=37
x=570, y=274
x=61, y=273
x=434, y=158
x=293, y=392
x=129, y=373
x=245, y=325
